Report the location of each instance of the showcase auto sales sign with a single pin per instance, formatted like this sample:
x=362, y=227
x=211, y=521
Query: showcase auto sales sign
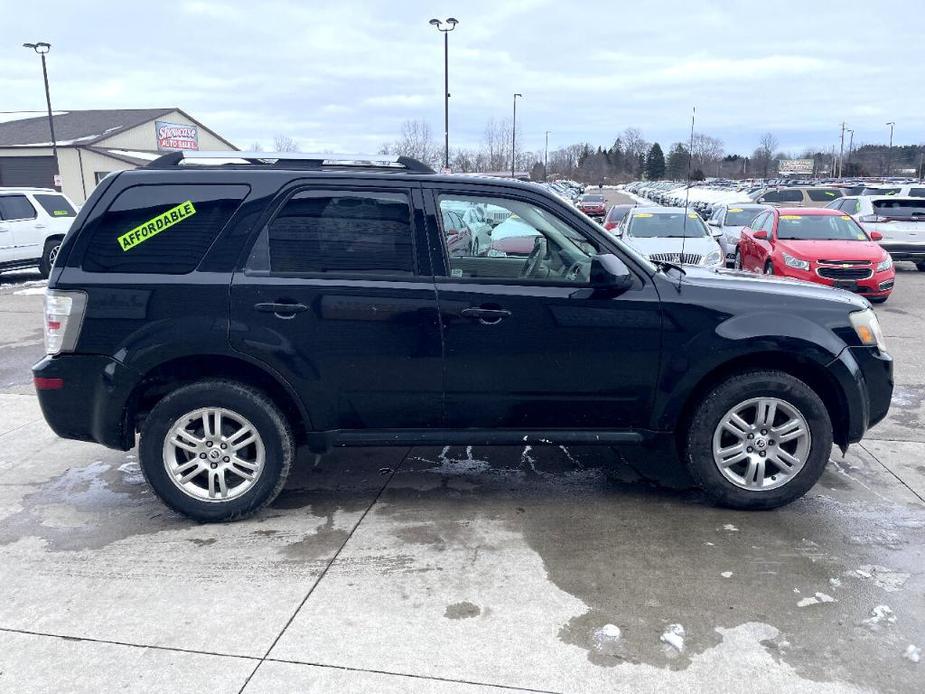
x=172, y=136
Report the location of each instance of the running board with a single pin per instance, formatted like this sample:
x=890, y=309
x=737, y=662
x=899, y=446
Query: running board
x=325, y=440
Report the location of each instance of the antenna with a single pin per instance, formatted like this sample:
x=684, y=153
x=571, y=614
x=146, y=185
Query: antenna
x=687, y=192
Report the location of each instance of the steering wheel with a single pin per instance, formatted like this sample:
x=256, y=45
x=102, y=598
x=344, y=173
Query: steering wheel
x=573, y=274
x=535, y=258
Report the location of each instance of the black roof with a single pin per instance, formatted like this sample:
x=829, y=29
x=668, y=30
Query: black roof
x=86, y=126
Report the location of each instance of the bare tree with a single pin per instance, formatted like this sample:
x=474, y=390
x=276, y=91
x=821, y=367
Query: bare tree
x=496, y=141
x=284, y=143
x=256, y=147
x=707, y=152
x=416, y=141
x=764, y=155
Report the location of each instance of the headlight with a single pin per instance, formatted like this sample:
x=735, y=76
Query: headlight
x=713, y=258
x=885, y=264
x=867, y=327
x=798, y=263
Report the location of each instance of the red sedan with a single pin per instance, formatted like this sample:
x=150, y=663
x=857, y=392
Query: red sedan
x=817, y=245
x=593, y=205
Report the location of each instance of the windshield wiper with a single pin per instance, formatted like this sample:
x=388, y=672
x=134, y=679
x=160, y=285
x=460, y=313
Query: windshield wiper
x=664, y=265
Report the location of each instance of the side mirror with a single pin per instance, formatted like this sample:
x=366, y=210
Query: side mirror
x=761, y=235
x=876, y=236
x=713, y=222
x=716, y=233
x=608, y=272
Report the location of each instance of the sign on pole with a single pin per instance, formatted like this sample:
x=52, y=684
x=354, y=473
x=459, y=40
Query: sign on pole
x=174, y=136
x=790, y=167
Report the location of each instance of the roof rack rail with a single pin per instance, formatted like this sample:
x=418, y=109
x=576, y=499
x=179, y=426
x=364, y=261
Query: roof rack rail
x=290, y=160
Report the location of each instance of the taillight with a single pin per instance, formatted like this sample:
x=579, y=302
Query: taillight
x=609, y=225
x=64, y=314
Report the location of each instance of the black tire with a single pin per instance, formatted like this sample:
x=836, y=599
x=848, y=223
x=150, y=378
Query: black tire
x=878, y=299
x=737, y=260
x=768, y=268
x=49, y=253
x=920, y=267
x=698, y=440
x=252, y=404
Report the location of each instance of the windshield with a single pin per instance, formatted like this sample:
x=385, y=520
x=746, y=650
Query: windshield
x=651, y=225
x=742, y=216
x=819, y=227
x=899, y=208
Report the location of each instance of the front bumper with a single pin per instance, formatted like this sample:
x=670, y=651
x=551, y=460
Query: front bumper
x=865, y=376
x=914, y=252
x=90, y=402
x=879, y=284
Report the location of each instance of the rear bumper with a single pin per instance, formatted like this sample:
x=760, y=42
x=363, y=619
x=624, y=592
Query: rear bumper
x=89, y=402
x=865, y=375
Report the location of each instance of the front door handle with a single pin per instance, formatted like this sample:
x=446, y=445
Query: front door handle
x=281, y=309
x=485, y=316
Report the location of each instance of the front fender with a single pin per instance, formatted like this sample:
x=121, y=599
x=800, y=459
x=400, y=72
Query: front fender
x=749, y=339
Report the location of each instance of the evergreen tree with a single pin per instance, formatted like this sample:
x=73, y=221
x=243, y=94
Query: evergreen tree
x=655, y=163
x=677, y=162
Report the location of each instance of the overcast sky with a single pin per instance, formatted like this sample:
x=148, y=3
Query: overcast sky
x=344, y=75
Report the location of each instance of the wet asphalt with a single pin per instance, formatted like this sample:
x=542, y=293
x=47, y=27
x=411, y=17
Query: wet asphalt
x=461, y=569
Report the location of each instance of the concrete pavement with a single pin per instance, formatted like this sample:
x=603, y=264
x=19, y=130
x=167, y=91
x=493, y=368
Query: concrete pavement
x=458, y=570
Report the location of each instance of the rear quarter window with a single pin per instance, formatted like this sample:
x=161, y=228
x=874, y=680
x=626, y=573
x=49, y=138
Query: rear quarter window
x=160, y=229
x=55, y=205
x=823, y=194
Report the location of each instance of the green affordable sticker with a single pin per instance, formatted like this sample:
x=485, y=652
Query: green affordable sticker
x=163, y=221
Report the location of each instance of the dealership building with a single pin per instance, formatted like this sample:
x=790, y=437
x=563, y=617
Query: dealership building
x=92, y=144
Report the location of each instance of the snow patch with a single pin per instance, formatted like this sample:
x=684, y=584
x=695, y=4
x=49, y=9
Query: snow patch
x=891, y=581
x=674, y=637
x=881, y=615
x=912, y=653
x=730, y=527
x=817, y=599
x=31, y=291
x=726, y=574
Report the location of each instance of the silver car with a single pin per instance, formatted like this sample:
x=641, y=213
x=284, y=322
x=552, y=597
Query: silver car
x=729, y=219
x=671, y=234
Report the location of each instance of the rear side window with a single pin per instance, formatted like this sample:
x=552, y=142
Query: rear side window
x=160, y=229
x=15, y=207
x=55, y=205
x=823, y=194
x=791, y=196
x=917, y=192
x=342, y=233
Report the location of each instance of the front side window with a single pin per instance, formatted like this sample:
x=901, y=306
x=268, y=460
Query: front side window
x=15, y=207
x=342, y=233
x=522, y=242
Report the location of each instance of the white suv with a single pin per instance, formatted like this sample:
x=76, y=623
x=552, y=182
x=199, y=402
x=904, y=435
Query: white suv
x=33, y=221
x=901, y=221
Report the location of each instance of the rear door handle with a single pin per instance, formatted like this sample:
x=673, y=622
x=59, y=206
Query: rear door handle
x=485, y=316
x=281, y=309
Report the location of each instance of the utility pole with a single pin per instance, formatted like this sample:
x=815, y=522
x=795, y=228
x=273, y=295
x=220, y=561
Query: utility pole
x=850, y=144
x=889, y=152
x=841, y=151
x=514, y=136
x=546, y=158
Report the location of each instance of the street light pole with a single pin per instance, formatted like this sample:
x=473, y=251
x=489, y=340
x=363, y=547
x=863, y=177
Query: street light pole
x=546, y=158
x=451, y=23
x=42, y=47
x=889, y=152
x=514, y=136
x=841, y=151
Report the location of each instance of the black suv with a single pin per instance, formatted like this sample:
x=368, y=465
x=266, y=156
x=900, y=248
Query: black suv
x=233, y=311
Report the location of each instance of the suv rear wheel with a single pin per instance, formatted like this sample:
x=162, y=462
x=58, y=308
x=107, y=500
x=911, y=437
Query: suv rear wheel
x=52, y=246
x=759, y=440
x=216, y=450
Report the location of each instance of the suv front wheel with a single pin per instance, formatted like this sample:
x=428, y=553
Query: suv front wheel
x=216, y=450
x=759, y=440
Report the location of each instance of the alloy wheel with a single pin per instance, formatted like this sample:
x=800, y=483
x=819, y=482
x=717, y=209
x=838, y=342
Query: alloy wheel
x=761, y=443
x=214, y=454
